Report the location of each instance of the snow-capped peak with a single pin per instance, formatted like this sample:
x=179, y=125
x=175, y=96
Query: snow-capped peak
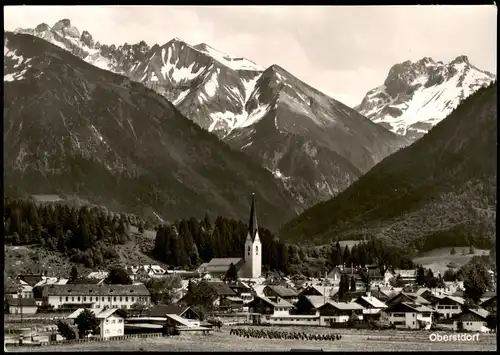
x=416, y=96
x=235, y=63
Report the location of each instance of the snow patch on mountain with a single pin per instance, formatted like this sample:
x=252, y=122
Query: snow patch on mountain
x=255, y=116
x=234, y=63
x=417, y=96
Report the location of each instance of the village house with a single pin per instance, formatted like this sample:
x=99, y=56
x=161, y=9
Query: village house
x=95, y=296
x=490, y=304
x=21, y=305
x=270, y=307
x=448, y=306
x=111, y=321
x=371, y=307
x=339, y=312
x=309, y=305
x=407, y=315
x=407, y=276
x=473, y=320
x=286, y=293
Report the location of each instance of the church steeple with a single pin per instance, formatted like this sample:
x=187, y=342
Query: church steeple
x=252, y=224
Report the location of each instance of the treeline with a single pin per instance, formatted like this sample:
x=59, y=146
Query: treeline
x=85, y=233
x=187, y=243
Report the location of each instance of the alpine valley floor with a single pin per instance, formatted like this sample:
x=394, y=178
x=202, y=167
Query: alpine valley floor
x=352, y=340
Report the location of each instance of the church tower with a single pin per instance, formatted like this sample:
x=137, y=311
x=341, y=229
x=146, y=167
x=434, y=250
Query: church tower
x=253, y=247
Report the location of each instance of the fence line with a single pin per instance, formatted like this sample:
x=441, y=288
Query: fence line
x=89, y=340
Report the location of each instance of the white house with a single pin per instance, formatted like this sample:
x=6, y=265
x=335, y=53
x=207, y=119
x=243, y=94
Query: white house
x=339, y=312
x=98, y=275
x=448, y=306
x=95, y=296
x=473, y=320
x=22, y=305
x=111, y=321
x=410, y=316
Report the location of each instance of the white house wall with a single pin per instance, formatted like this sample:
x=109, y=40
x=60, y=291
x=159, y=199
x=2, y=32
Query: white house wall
x=112, y=326
x=473, y=326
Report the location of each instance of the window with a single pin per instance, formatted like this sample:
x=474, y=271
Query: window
x=114, y=321
x=114, y=298
x=78, y=298
x=132, y=299
x=248, y=250
x=109, y=299
x=84, y=298
x=73, y=298
x=90, y=298
x=126, y=299
x=66, y=298
x=120, y=321
x=60, y=299
x=107, y=330
x=120, y=298
x=257, y=250
x=107, y=321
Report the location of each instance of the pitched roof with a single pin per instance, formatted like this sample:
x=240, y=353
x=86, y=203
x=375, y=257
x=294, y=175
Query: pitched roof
x=283, y=291
x=162, y=309
x=252, y=224
x=485, y=300
x=99, y=314
x=416, y=298
x=316, y=301
x=181, y=320
x=280, y=303
x=409, y=307
x=224, y=261
x=374, y=302
x=345, y=306
x=480, y=312
x=97, y=290
x=222, y=289
x=32, y=280
x=456, y=299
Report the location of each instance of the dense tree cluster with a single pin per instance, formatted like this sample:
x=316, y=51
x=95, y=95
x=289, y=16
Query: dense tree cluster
x=86, y=233
x=187, y=243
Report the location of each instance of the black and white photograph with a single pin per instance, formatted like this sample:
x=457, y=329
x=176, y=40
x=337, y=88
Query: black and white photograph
x=250, y=178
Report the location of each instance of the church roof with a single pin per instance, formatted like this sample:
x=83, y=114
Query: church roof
x=252, y=224
x=223, y=261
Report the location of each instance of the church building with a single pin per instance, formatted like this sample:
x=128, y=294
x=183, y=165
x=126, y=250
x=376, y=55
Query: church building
x=250, y=266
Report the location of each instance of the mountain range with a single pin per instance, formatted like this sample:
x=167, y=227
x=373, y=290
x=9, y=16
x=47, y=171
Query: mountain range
x=440, y=191
x=314, y=145
x=416, y=96
x=72, y=128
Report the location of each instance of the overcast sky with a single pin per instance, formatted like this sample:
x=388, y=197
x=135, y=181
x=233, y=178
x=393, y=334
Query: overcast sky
x=343, y=51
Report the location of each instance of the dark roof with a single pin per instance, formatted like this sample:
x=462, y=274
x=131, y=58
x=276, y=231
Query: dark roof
x=252, y=224
x=282, y=291
x=490, y=300
x=25, y=302
x=31, y=280
x=97, y=290
x=84, y=281
x=222, y=289
x=162, y=309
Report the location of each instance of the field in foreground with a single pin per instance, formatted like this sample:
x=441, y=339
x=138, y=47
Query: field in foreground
x=437, y=259
x=352, y=340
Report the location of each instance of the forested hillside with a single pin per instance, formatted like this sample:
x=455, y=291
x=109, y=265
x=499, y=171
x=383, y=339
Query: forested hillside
x=440, y=191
